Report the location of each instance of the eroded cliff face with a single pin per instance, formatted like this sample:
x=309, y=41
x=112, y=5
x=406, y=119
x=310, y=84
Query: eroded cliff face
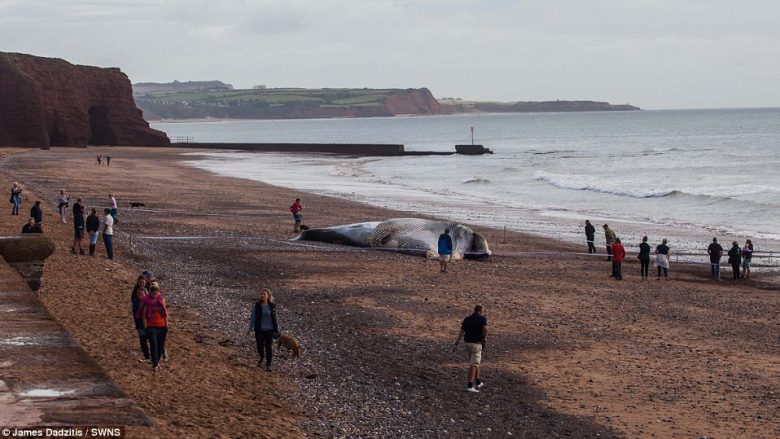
x=414, y=101
x=51, y=102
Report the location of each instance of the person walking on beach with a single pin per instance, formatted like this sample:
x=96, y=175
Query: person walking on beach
x=16, y=198
x=473, y=331
x=136, y=299
x=32, y=227
x=716, y=252
x=114, y=211
x=662, y=259
x=155, y=319
x=98, y=159
x=108, y=159
x=445, y=250
x=62, y=205
x=263, y=322
x=735, y=259
x=618, y=254
x=78, y=227
x=644, y=257
x=747, y=258
x=93, y=228
x=610, y=237
x=296, y=209
x=590, y=236
x=108, y=233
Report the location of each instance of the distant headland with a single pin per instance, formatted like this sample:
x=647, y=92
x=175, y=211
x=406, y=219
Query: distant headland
x=216, y=99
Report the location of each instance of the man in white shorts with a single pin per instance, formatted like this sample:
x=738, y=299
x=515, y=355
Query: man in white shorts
x=473, y=331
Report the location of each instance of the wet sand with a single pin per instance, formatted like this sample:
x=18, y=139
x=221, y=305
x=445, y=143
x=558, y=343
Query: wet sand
x=572, y=353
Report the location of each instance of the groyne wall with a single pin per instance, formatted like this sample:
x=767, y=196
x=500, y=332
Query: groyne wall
x=361, y=149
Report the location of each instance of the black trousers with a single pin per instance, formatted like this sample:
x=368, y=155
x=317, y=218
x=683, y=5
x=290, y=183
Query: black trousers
x=735, y=268
x=609, y=252
x=591, y=247
x=156, y=337
x=616, y=270
x=144, y=340
x=645, y=266
x=265, y=342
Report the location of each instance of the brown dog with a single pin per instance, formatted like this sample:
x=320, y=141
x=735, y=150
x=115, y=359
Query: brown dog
x=290, y=343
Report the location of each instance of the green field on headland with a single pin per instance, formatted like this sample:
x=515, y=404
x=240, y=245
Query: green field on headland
x=215, y=99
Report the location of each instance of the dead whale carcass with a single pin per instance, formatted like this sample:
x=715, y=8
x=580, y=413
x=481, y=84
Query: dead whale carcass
x=412, y=234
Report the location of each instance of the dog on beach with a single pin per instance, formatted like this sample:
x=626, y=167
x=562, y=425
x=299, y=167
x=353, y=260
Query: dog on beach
x=290, y=343
x=134, y=205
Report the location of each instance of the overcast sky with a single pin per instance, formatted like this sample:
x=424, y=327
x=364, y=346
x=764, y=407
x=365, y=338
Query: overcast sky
x=650, y=53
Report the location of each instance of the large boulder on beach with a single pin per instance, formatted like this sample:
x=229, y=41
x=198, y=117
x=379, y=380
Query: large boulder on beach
x=51, y=102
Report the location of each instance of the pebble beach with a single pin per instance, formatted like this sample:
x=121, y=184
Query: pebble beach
x=571, y=352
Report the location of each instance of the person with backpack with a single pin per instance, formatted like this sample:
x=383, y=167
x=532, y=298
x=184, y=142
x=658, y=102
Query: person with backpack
x=445, y=250
x=36, y=212
x=263, y=322
x=155, y=319
x=296, y=209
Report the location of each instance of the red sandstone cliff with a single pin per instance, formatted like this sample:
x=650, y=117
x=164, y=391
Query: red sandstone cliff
x=51, y=102
x=414, y=101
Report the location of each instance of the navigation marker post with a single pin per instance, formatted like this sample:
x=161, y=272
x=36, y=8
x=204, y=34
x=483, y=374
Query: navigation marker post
x=472, y=135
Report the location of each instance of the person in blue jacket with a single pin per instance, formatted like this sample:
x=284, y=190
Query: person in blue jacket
x=445, y=250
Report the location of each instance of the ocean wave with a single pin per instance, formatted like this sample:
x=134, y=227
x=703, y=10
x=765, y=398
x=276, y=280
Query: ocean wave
x=476, y=180
x=715, y=194
x=598, y=184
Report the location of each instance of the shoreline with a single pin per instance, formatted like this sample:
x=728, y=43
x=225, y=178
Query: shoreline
x=570, y=353
x=541, y=223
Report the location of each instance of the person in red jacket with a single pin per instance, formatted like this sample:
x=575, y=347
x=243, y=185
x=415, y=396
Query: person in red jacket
x=296, y=209
x=618, y=254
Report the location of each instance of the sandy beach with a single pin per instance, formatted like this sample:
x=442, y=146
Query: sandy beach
x=571, y=353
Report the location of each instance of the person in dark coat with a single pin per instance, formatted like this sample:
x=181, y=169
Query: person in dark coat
x=36, y=212
x=93, y=228
x=590, y=235
x=716, y=252
x=735, y=259
x=32, y=227
x=644, y=257
x=263, y=322
x=78, y=227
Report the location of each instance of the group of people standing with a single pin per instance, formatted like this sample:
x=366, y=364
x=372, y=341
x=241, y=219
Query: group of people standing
x=99, y=159
x=150, y=314
x=738, y=257
x=92, y=224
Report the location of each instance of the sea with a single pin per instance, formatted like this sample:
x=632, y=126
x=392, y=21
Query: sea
x=683, y=175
